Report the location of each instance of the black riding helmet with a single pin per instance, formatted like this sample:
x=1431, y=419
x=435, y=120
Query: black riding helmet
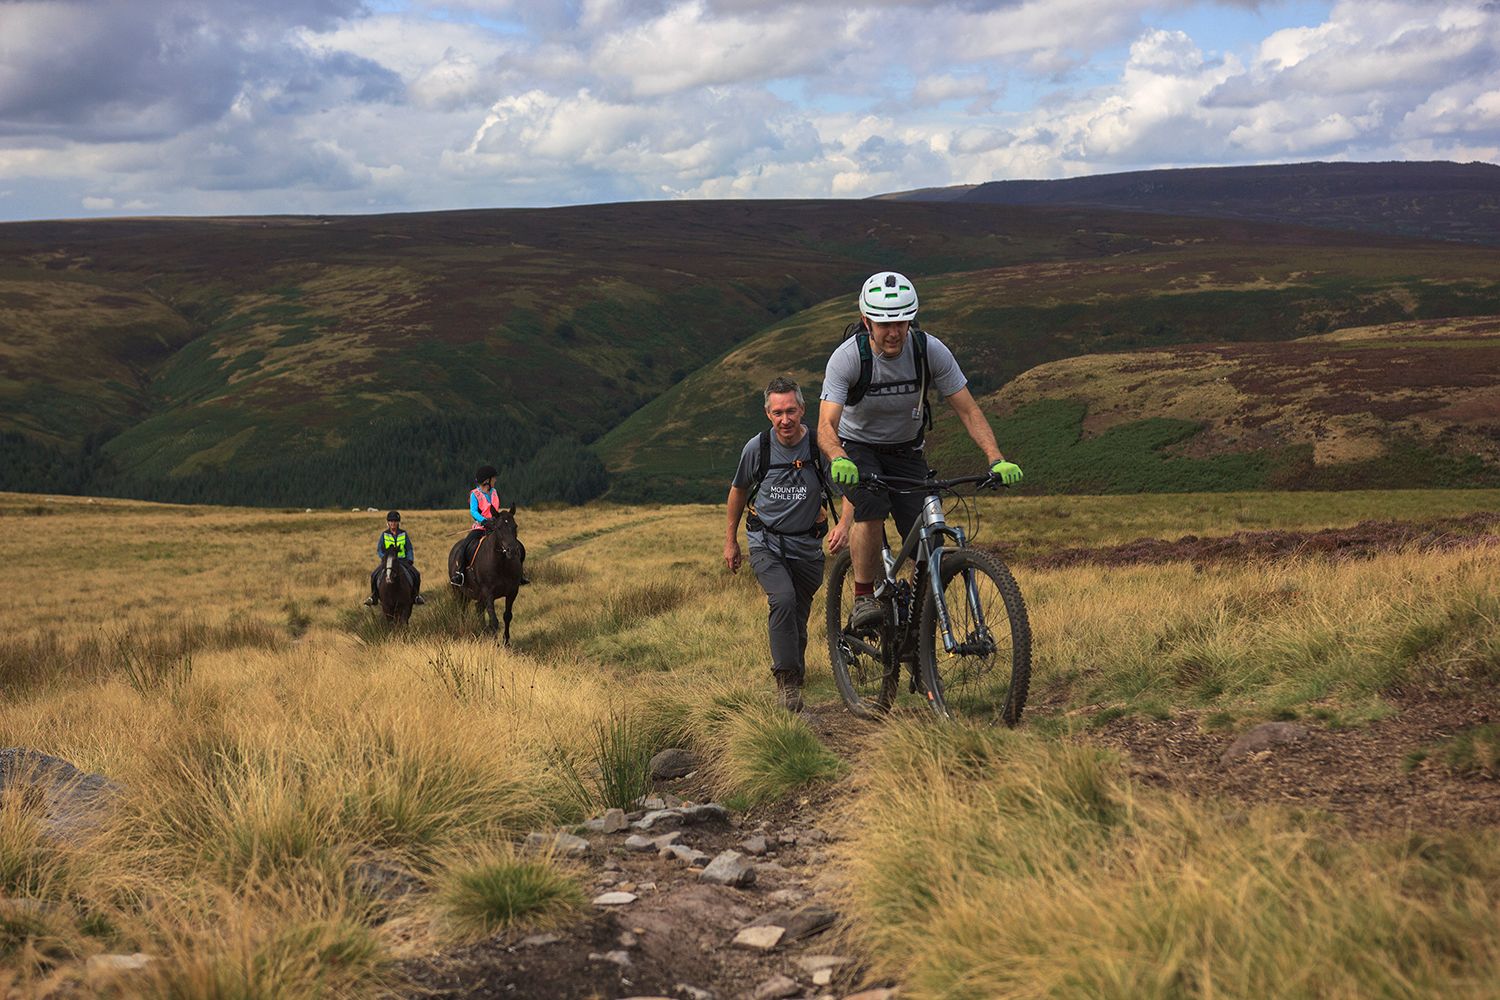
x=485, y=472
x=394, y=515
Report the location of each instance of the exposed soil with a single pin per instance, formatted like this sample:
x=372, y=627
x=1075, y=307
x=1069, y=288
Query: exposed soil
x=1363, y=540
x=675, y=939
x=1371, y=779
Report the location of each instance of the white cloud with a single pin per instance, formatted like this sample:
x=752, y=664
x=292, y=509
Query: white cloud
x=323, y=105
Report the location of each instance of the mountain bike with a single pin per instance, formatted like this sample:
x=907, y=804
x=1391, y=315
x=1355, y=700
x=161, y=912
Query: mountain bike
x=954, y=616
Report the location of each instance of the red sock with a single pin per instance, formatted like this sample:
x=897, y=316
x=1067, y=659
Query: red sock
x=863, y=589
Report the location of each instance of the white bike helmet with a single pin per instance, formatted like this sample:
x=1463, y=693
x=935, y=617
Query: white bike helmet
x=888, y=297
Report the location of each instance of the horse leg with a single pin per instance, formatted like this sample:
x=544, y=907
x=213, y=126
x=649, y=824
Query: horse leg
x=493, y=625
x=508, y=599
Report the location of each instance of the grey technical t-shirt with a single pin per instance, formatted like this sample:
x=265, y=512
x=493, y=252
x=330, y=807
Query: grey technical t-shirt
x=789, y=499
x=891, y=411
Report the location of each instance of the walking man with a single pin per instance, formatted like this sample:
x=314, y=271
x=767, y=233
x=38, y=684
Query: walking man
x=874, y=417
x=780, y=480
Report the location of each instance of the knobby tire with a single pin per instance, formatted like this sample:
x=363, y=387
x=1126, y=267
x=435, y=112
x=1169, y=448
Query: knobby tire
x=859, y=675
x=977, y=684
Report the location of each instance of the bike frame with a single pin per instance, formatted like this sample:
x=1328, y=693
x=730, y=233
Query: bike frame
x=924, y=546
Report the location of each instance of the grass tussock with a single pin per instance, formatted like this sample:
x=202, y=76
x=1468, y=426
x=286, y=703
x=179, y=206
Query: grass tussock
x=612, y=768
x=1038, y=870
x=275, y=943
x=768, y=753
x=502, y=890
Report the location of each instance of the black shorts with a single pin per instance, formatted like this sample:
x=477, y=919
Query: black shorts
x=887, y=460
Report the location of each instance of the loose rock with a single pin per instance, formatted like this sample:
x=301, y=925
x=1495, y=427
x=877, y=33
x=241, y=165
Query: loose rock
x=538, y=940
x=758, y=938
x=708, y=812
x=615, y=899
x=659, y=819
x=673, y=763
x=567, y=843
x=1263, y=737
x=754, y=845
x=729, y=868
x=617, y=957
x=778, y=987
x=683, y=854
x=805, y=922
x=613, y=821
x=71, y=801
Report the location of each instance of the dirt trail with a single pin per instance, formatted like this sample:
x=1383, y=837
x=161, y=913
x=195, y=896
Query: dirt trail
x=1380, y=779
x=675, y=939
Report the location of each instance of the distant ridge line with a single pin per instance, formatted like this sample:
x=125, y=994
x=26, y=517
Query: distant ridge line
x=1433, y=199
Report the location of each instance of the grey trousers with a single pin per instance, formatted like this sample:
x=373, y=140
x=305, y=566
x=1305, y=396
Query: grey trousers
x=789, y=585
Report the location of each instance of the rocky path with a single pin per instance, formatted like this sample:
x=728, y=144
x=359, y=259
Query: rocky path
x=688, y=901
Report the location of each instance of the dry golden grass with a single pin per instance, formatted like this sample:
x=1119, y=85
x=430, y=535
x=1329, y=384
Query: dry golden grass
x=271, y=740
x=1040, y=870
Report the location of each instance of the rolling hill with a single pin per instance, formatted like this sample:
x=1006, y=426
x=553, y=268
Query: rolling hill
x=373, y=360
x=318, y=360
x=1434, y=200
x=1413, y=403
x=1248, y=289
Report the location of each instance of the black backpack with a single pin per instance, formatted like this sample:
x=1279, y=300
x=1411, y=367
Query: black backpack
x=765, y=466
x=867, y=362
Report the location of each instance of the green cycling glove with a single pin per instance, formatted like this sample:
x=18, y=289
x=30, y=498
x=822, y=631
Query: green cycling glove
x=844, y=472
x=1008, y=473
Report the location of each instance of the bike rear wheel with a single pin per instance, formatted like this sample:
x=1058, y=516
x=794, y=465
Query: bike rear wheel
x=987, y=675
x=866, y=679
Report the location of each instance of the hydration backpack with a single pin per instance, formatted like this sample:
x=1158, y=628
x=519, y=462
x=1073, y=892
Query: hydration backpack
x=867, y=363
x=765, y=466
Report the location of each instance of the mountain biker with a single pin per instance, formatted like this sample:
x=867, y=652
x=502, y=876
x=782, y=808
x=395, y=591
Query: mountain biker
x=484, y=503
x=881, y=431
x=780, y=480
x=395, y=539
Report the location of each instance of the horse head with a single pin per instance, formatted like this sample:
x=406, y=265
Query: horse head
x=503, y=527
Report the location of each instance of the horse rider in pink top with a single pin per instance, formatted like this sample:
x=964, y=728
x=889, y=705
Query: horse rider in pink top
x=484, y=503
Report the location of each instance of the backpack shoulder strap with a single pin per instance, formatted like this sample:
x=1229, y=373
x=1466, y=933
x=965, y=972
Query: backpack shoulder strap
x=919, y=360
x=763, y=466
x=862, y=384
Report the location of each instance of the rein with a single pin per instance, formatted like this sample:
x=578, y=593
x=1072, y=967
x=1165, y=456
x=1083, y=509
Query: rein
x=480, y=547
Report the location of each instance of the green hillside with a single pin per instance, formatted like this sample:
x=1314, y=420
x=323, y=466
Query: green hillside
x=376, y=360
x=318, y=360
x=1404, y=404
x=1244, y=285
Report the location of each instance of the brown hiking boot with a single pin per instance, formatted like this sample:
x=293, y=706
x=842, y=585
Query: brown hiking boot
x=788, y=693
x=868, y=612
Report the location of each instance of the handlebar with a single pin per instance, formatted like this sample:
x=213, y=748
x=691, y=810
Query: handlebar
x=898, y=484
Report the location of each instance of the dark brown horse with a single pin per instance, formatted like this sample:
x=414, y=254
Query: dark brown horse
x=494, y=570
x=395, y=590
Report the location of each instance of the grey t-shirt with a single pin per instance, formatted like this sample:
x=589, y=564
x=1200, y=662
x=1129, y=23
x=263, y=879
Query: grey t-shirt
x=891, y=411
x=789, y=499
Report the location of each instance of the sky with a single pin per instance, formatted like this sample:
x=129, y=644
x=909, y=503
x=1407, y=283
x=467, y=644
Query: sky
x=198, y=107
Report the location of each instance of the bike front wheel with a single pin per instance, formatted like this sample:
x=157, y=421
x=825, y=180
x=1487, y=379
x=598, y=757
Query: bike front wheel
x=987, y=673
x=859, y=660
